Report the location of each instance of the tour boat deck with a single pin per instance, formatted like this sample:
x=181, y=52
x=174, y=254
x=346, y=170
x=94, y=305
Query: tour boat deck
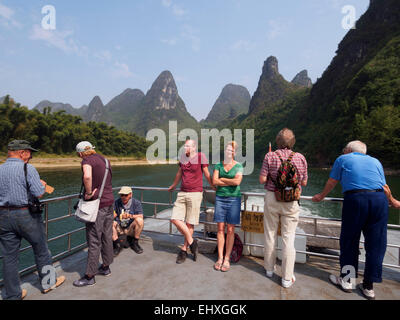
x=154, y=274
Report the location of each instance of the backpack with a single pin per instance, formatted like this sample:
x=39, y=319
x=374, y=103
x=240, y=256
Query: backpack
x=287, y=181
x=237, y=249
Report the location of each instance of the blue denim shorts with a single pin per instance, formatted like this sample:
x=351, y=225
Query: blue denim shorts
x=227, y=209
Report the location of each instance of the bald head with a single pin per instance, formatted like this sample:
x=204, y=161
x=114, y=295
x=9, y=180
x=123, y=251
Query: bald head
x=356, y=146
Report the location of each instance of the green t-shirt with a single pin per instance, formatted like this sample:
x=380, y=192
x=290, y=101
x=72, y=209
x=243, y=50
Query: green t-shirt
x=228, y=191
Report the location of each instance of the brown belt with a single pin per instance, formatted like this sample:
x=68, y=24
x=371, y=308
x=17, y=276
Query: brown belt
x=13, y=208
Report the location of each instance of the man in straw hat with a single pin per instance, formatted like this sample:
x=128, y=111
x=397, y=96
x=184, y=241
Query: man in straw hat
x=128, y=221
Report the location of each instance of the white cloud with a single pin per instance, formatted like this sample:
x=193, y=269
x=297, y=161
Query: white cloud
x=6, y=17
x=104, y=55
x=64, y=41
x=58, y=39
x=243, y=45
x=189, y=33
x=170, y=42
x=276, y=28
x=166, y=3
x=121, y=70
x=176, y=9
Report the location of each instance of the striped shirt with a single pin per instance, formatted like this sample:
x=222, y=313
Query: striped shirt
x=272, y=163
x=13, y=191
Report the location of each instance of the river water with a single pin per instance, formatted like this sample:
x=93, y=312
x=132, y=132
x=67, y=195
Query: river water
x=68, y=181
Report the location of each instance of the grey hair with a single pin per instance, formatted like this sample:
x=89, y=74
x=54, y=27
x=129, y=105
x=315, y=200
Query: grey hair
x=285, y=139
x=357, y=146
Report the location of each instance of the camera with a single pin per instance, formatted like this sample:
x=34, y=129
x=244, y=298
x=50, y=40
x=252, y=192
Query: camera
x=35, y=206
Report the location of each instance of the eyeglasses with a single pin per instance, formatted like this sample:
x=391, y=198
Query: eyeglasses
x=124, y=195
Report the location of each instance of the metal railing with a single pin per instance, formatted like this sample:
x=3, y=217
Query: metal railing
x=70, y=250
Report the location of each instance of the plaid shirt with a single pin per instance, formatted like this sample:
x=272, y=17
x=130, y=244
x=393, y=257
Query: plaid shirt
x=272, y=163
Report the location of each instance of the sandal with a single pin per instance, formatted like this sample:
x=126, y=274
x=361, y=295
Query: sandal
x=225, y=266
x=218, y=265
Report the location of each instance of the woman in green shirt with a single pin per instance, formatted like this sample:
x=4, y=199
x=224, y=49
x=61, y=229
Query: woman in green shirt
x=227, y=177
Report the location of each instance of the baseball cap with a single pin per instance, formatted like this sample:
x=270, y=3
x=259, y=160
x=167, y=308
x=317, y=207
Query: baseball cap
x=125, y=190
x=20, y=145
x=84, y=146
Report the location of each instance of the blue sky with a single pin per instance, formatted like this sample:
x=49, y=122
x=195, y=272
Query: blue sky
x=103, y=47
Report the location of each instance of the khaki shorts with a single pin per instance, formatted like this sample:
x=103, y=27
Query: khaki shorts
x=187, y=207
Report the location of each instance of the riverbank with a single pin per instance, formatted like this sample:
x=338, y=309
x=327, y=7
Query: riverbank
x=75, y=162
x=65, y=161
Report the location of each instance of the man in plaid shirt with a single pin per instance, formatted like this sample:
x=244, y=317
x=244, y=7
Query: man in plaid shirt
x=287, y=213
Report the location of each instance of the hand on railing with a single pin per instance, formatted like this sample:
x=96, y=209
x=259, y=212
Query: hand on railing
x=318, y=198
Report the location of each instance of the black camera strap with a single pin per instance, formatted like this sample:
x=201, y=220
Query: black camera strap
x=34, y=205
x=28, y=190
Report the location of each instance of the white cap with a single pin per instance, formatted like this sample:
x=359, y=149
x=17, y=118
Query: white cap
x=125, y=190
x=84, y=146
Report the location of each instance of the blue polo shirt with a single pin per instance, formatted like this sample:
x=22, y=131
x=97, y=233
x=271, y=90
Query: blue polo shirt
x=136, y=208
x=358, y=171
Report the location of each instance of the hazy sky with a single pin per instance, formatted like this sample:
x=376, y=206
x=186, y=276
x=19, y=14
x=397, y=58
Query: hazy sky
x=103, y=47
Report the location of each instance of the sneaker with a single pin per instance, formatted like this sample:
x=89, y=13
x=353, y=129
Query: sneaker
x=269, y=274
x=59, y=281
x=103, y=271
x=181, y=257
x=288, y=283
x=369, y=294
x=23, y=294
x=129, y=239
x=338, y=281
x=135, y=246
x=123, y=241
x=84, y=282
x=116, y=249
x=194, y=247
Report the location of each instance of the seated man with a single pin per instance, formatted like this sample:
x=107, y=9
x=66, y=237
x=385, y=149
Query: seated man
x=128, y=221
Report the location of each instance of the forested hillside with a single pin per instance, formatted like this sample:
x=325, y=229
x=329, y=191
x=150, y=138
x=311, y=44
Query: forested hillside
x=58, y=132
x=357, y=97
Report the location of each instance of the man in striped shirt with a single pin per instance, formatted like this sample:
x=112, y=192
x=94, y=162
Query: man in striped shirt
x=285, y=213
x=16, y=222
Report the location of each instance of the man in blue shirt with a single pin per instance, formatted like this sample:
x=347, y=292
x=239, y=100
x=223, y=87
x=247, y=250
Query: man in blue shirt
x=128, y=221
x=365, y=208
x=16, y=221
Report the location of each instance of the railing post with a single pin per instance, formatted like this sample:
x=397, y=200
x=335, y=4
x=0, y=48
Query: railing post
x=315, y=226
x=46, y=217
x=69, y=207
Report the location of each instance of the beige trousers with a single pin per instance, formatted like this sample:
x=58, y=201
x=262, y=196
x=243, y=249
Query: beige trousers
x=288, y=214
